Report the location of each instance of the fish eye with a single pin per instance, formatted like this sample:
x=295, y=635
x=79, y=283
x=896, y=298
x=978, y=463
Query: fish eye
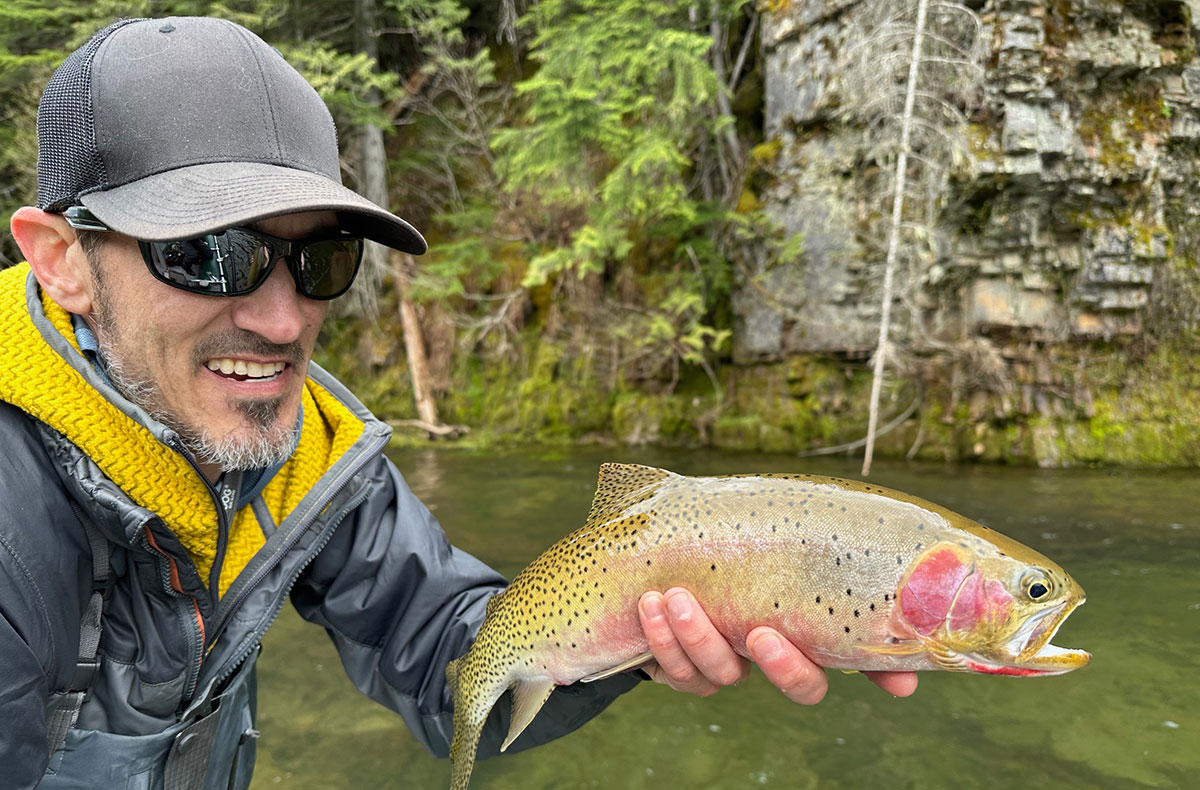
x=1037, y=586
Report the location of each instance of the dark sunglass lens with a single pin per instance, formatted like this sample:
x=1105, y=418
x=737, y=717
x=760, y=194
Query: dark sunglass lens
x=232, y=262
x=191, y=263
x=327, y=268
x=247, y=259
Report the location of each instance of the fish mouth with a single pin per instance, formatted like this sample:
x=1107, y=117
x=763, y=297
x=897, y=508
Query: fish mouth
x=1029, y=651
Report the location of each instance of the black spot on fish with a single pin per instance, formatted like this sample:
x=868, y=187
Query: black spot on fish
x=847, y=631
x=839, y=561
x=713, y=568
x=847, y=591
x=777, y=604
x=818, y=599
x=856, y=613
x=867, y=553
x=872, y=607
x=831, y=610
x=835, y=537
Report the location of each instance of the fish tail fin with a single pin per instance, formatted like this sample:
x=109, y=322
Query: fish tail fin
x=462, y=751
x=475, y=689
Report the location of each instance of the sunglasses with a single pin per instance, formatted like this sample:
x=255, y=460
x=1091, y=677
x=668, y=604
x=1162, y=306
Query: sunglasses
x=235, y=261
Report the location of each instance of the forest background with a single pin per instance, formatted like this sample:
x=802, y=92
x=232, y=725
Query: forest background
x=599, y=184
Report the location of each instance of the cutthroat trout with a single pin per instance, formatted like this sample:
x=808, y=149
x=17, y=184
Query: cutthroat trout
x=857, y=576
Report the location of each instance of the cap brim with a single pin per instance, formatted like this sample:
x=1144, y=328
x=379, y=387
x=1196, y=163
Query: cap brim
x=191, y=201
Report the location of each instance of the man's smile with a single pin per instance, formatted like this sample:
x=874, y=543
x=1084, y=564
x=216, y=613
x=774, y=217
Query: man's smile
x=245, y=370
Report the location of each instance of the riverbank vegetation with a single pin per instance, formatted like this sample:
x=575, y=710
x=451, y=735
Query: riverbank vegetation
x=591, y=175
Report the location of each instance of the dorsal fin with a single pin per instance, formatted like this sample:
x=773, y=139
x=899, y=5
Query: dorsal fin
x=621, y=486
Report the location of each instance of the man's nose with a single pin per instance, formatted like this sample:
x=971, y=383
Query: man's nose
x=273, y=311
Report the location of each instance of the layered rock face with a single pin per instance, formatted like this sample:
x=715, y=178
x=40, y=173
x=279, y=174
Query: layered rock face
x=1085, y=147
x=1069, y=232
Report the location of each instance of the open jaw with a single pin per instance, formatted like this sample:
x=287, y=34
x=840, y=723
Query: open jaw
x=1029, y=652
x=245, y=370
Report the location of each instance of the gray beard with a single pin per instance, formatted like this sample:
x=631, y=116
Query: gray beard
x=260, y=445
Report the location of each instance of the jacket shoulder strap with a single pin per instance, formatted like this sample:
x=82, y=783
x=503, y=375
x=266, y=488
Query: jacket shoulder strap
x=64, y=711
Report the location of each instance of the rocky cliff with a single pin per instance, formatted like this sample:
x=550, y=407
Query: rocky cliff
x=1060, y=298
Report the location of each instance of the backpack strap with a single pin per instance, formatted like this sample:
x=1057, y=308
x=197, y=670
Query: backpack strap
x=65, y=710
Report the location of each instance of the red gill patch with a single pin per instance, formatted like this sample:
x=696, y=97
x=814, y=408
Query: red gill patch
x=980, y=600
x=929, y=591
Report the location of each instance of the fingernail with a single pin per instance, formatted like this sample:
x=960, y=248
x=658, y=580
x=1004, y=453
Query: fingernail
x=679, y=606
x=652, y=606
x=767, y=647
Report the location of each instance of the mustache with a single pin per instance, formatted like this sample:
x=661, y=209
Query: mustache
x=241, y=342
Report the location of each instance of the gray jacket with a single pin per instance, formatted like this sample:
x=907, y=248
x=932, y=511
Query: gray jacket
x=361, y=557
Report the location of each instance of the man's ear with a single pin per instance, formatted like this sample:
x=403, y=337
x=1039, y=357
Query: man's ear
x=54, y=254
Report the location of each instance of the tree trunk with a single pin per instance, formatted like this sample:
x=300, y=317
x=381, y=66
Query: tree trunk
x=372, y=167
x=414, y=344
x=894, y=234
x=373, y=174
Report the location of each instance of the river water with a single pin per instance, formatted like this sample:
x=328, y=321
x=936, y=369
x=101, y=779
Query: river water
x=1129, y=720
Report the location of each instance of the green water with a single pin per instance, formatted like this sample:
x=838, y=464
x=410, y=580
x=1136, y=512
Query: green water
x=1131, y=719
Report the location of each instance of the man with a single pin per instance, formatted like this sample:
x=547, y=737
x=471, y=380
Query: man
x=175, y=467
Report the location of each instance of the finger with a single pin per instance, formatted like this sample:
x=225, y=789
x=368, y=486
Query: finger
x=784, y=665
x=898, y=684
x=703, y=643
x=671, y=666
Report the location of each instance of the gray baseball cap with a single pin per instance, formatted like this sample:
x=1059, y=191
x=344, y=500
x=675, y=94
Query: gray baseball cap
x=173, y=128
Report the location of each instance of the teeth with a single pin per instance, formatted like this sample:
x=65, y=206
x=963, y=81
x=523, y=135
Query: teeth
x=240, y=367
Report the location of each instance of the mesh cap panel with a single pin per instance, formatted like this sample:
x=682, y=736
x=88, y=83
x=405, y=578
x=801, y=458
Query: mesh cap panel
x=173, y=128
x=68, y=159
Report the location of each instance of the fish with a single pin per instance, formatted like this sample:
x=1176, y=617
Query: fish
x=859, y=577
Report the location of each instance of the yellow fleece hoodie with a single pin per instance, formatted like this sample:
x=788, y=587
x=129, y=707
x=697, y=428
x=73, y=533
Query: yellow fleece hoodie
x=35, y=378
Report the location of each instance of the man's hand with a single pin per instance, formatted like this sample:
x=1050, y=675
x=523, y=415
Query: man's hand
x=691, y=655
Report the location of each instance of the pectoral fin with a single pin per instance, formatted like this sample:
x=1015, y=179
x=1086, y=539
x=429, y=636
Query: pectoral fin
x=632, y=663
x=906, y=647
x=528, y=697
